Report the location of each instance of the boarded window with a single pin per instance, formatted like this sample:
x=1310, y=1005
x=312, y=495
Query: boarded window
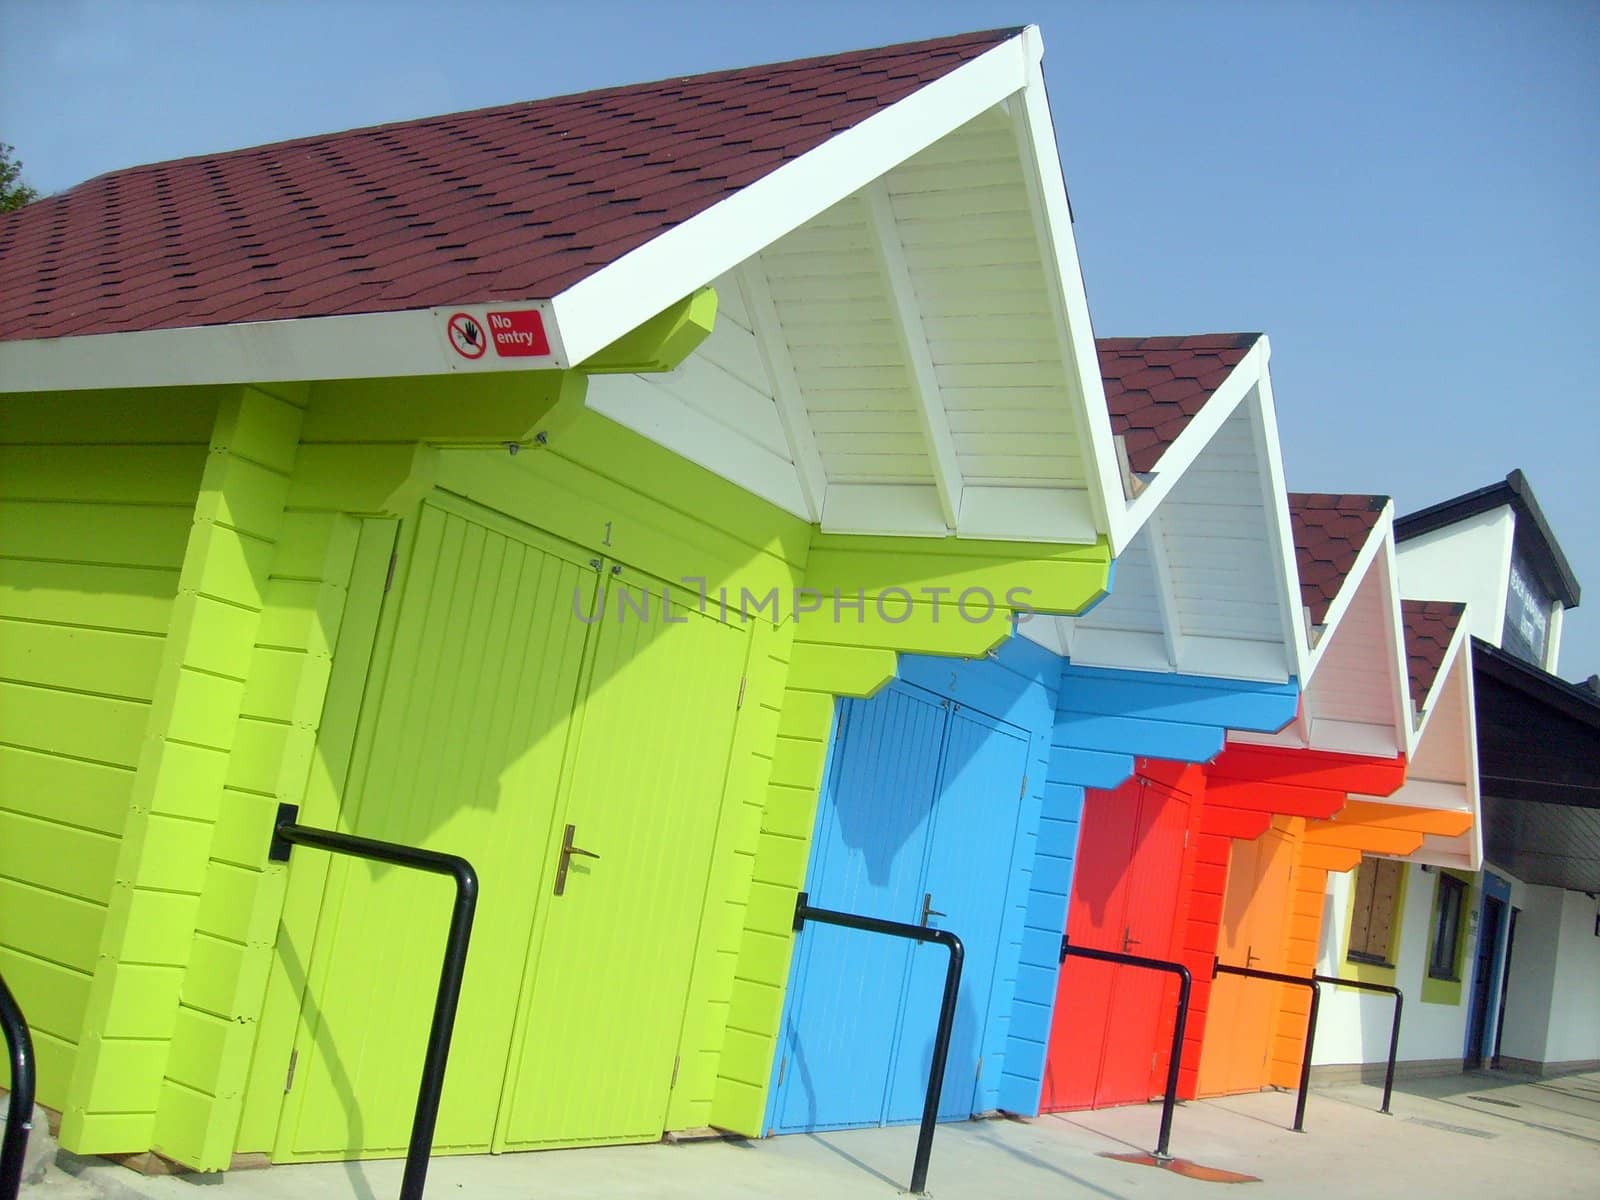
x=1447, y=911
x=1372, y=923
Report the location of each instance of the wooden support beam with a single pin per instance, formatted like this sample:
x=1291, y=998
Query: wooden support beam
x=1166, y=594
x=786, y=393
x=931, y=414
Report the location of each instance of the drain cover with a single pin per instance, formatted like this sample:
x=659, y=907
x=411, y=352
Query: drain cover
x=1448, y=1128
x=1492, y=1100
x=1182, y=1166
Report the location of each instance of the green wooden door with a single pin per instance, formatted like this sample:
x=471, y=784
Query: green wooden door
x=460, y=750
x=495, y=719
x=610, y=969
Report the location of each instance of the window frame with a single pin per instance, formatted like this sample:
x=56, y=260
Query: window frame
x=1364, y=957
x=1449, y=905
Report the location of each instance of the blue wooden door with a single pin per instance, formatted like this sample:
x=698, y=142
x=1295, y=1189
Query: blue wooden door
x=919, y=811
x=970, y=853
x=845, y=986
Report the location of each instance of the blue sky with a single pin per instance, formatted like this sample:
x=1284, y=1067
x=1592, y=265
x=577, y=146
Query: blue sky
x=1405, y=196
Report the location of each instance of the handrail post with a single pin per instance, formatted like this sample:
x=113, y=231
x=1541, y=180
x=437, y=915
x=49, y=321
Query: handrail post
x=941, y=1056
x=19, y=1114
x=1180, y=1024
x=803, y=912
x=1305, y=1059
x=1218, y=967
x=1394, y=1051
x=1394, y=1025
x=287, y=834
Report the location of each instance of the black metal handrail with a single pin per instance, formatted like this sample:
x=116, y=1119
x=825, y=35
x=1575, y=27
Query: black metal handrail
x=19, y=1114
x=287, y=834
x=1394, y=1027
x=1170, y=1098
x=1222, y=968
x=803, y=912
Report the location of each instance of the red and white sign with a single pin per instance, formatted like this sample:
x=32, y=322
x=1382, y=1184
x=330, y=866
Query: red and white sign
x=466, y=336
x=518, y=334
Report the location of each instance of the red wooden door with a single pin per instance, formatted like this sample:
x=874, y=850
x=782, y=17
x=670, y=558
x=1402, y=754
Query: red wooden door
x=1135, y=1050
x=1105, y=1038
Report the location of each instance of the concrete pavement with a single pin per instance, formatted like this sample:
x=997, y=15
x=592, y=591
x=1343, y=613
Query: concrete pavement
x=1485, y=1134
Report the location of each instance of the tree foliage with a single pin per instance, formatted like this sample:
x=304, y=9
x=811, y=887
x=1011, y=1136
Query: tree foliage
x=13, y=192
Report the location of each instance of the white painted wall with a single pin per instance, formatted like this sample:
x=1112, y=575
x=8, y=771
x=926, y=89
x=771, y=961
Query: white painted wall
x=1353, y=1027
x=1468, y=561
x=1575, y=1002
x=1552, y=1010
x=1531, y=982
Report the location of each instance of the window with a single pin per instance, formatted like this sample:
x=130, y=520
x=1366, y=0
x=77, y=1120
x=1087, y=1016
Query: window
x=1447, y=910
x=1373, y=920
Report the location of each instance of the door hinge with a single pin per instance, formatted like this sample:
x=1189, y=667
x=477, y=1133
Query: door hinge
x=743, y=679
x=294, y=1060
x=1185, y=839
x=675, y=1064
x=978, y=1073
x=388, y=580
x=1022, y=793
x=783, y=1065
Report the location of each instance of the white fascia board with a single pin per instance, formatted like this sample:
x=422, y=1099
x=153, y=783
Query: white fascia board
x=601, y=308
x=1232, y=658
x=1176, y=460
x=1275, y=499
x=360, y=346
x=1395, y=632
x=1441, y=794
x=1052, y=214
x=1370, y=550
x=887, y=509
x=1027, y=514
x=1469, y=723
x=1354, y=737
x=1120, y=649
x=1248, y=383
x=1457, y=656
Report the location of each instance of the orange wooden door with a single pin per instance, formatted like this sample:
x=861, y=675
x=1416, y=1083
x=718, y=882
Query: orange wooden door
x=1242, y=1017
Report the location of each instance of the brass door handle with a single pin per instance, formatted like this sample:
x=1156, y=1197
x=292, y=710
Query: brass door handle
x=928, y=910
x=568, y=850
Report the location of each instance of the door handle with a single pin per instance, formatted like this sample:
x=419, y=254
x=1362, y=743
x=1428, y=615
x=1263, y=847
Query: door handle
x=1250, y=957
x=928, y=910
x=568, y=850
x=1127, y=938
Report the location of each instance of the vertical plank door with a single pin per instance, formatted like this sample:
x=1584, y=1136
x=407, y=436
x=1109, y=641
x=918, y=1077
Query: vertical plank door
x=846, y=987
x=1242, y=1018
x=459, y=750
x=970, y=858
x=1097, y=918
x=1138, y=1033
x=608, y=976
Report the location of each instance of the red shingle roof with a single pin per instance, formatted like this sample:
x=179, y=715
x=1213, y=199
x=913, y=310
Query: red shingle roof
x=1429, y=625
x=1155, y=385
x=1329, y=532
x=515, y=202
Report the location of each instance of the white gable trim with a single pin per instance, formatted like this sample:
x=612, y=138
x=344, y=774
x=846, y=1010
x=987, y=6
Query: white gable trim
x=360, y=346
x=599, y=309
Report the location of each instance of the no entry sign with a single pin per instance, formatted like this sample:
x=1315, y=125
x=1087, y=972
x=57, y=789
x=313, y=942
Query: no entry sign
x=513, y=335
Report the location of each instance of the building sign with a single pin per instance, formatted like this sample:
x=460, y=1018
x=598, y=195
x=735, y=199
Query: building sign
x=1527, y=615
x=500, y=337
